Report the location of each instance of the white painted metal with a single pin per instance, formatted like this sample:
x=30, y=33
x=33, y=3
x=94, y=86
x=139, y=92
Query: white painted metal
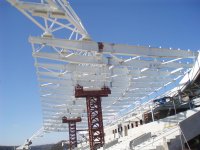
x=132, y=72
x=113, y=48
x=57, y=15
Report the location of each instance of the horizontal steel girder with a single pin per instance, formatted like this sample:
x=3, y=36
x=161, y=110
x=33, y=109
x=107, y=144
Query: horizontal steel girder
x=135, y=63
x=114, y=48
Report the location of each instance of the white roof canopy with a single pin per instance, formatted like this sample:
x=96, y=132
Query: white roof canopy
x=131, y=72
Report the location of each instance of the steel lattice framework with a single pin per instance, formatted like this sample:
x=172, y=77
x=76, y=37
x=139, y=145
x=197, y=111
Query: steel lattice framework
x=72, y=133
x=72, y=130
x=94, y=112
x=133, y=73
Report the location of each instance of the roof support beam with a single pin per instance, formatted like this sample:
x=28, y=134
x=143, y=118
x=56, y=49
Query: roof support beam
x=118, y=49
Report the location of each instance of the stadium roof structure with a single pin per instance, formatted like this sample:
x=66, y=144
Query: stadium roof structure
x=133, y=73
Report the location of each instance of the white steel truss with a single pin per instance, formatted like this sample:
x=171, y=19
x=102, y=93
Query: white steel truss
x=64, y=59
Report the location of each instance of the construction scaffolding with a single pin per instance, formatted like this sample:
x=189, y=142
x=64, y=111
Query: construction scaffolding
x=72, y=130
x=94, y=111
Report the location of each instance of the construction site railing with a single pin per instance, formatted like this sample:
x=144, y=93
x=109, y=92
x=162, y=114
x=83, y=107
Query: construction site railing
x=164, y=134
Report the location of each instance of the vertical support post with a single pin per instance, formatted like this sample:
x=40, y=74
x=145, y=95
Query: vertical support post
x=94, y=113
x=189, y=103
x=174, y=106
x=152, y=115
x=95, y=122
x=72, y=130
x=179, y=96
x=72, y=135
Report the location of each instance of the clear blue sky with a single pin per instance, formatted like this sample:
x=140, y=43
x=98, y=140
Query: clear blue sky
x=166, y=23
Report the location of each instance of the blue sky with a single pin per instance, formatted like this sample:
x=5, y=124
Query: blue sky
x=166, y=23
